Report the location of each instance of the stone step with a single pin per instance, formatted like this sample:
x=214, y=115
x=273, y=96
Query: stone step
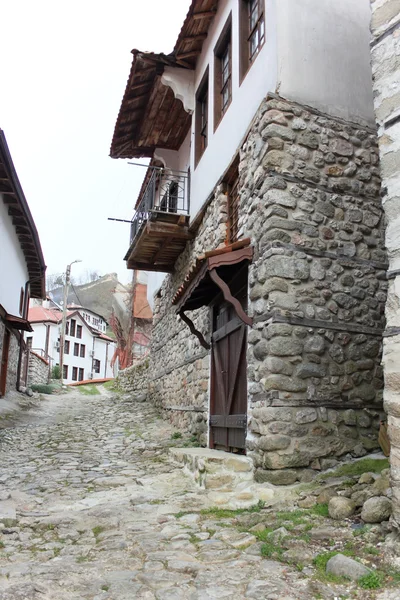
x=214, y=470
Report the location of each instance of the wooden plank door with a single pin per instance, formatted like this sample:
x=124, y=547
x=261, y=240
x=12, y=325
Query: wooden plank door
x=228, y=407
x=4, y=363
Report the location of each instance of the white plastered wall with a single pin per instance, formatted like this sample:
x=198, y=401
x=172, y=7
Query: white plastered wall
x=13, y=269
x=324, y=56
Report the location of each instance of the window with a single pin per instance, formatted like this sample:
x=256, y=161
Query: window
x=252, y=32
x=232, y=183
x=80, y=374
x=29, y=342
x=79, y=331
x=72, y=329
x=67, y=328
x=76, y=349
x=74, y=373
x=65, y=371
x=83, y=350
x=96, y=365
x=66, y=347
x=21, y=301
x=223, y=73
x=201, y=123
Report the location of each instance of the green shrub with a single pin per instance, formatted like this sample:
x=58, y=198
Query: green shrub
x=55, y=372
x=42, y=388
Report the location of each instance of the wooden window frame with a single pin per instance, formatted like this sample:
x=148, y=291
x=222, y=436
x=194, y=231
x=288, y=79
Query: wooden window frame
x=79, y=332
x=81, y=374
x=65, y=371
x=72, y=328
x=82, y=353
x=202, y=124
x=66, y=347
x=76, y=349
x=223, y=48
x=74, y=373
x=96, y=365
x=246, y=32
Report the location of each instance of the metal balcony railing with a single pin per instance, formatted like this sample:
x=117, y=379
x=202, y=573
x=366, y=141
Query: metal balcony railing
x=166, y=192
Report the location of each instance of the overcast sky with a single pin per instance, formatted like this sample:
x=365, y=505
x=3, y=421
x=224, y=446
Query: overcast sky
x=64, y=68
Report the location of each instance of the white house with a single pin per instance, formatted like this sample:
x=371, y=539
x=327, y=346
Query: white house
x=260, y=223
x=22, y=273
x=88, y=350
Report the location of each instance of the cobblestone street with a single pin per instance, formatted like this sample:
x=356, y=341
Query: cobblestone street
x=92, y=507
x=94, y=513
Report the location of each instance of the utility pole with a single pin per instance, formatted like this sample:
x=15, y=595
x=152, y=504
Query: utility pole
x=64, y=316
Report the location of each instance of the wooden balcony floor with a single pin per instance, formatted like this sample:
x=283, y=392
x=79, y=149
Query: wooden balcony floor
x=159, y=242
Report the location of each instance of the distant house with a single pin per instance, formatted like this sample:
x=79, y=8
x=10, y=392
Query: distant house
x=22, y=273
x=88, y=350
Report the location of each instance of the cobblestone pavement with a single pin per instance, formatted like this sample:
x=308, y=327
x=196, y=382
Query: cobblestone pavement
x=92, y=508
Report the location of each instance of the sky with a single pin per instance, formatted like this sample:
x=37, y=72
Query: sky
x=64, y=68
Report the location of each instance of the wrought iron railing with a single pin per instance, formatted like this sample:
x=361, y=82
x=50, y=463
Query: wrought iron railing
x=166, y=192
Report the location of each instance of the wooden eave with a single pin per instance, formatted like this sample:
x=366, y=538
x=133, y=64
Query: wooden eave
x=150, y=116
x=21, y=217
x=158, y=244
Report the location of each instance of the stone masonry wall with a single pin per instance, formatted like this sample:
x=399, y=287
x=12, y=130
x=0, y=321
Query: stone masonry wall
x=179, y=365
x=12, y=358
x=310, y=202
x=38, y=370
x=134, y=380
x=385, y=55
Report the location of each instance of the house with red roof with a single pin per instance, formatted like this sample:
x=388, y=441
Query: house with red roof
x=88, y=350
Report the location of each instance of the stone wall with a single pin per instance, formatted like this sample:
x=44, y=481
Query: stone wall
x=12, y=358
x=38, y=370
x=134, y=380
x=309, y=201
x=385, y=55
x=179, y=365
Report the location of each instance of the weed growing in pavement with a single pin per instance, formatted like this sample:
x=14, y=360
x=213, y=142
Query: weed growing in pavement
x=105, y=587
x=371, y=581
x=365, y=465
x=88, y=390
x=97, y=530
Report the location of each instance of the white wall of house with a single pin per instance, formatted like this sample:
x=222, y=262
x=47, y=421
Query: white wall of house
x=90, y=341
x=13, y=269
x=246, y=98
x=305, y=58
x=324, y=55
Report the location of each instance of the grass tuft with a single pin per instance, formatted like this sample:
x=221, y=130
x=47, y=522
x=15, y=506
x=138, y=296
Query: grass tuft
x=365, y=465
x=88, y=390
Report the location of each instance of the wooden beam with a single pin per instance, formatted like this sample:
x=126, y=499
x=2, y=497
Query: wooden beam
x=194, y=38
x=184, y=55
x=168, y=230
x=229, y=298
x=204, y=15
x=149, y=267
x=4, y=187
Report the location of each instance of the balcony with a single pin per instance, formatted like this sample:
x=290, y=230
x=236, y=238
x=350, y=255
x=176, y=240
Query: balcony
x=159, y=229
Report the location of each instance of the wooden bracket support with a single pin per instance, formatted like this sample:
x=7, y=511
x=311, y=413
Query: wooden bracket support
x=193, y=329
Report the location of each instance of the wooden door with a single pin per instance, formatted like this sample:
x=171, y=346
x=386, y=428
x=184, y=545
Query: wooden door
x=4, y=363
x=228, y=407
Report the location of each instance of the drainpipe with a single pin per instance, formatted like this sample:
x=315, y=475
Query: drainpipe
x=105, y=366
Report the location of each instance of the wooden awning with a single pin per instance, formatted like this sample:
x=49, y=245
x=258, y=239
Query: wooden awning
x=18, y=323
x=209, y=277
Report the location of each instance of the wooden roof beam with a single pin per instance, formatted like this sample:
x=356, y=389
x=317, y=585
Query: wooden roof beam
x=207, y=14
x=185, y=55
x=193, y=38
